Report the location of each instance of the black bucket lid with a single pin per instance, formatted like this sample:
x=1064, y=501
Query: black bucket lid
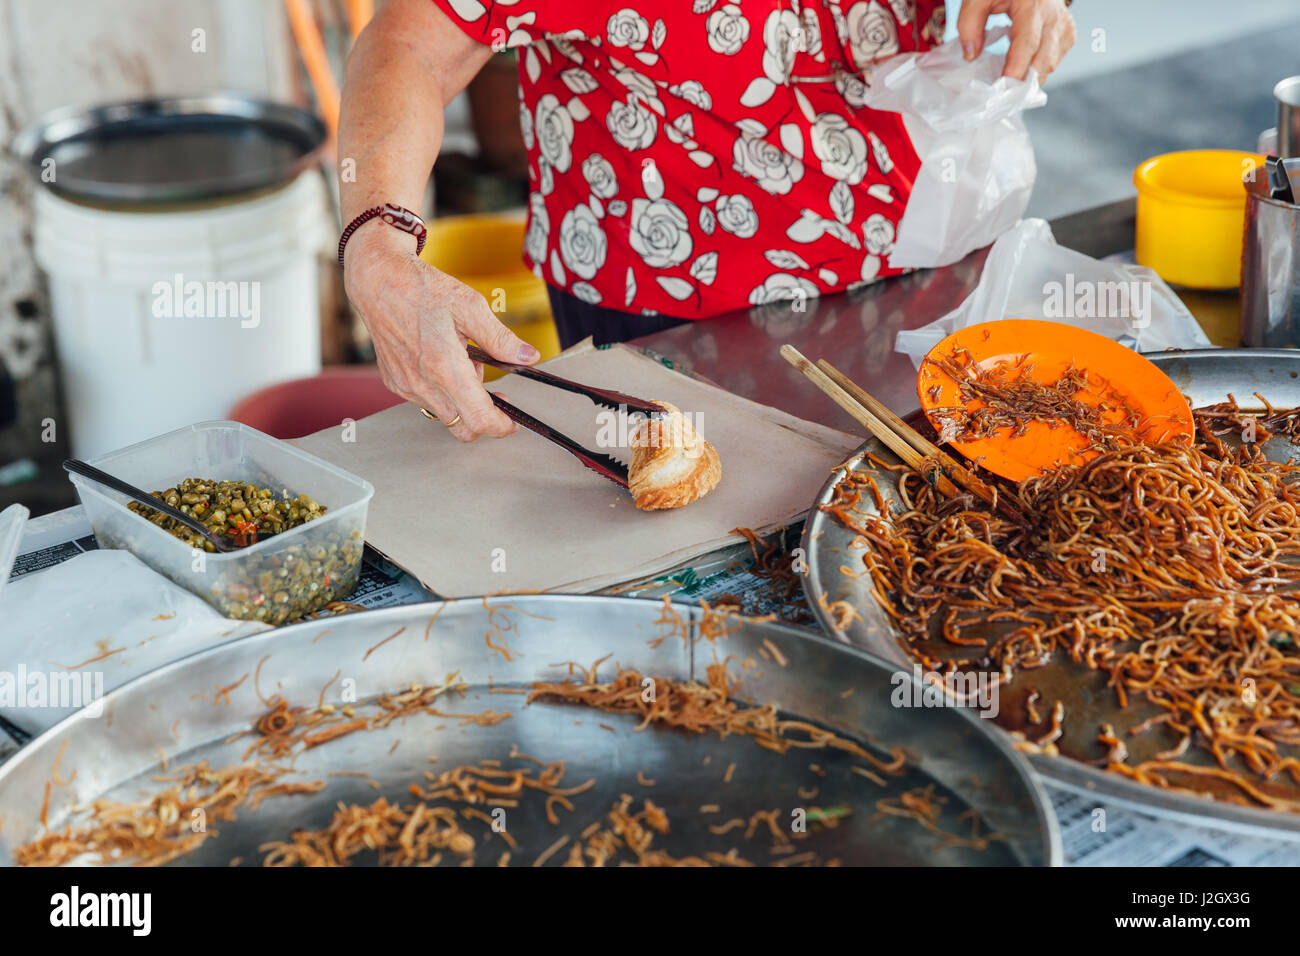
x=173, y=150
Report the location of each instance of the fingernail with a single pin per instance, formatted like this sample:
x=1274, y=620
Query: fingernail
x=968, y=50
x=527, y=353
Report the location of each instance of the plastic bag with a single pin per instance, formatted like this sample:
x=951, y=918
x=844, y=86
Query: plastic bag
x=1028, y=276
x=977, y=163
x=76, y=631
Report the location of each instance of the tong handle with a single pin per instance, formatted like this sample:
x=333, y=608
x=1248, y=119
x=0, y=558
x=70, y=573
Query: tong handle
x=601, y=396
x=603, y=465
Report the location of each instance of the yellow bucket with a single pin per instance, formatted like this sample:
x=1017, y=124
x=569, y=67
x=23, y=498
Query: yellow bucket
x=1191, y=210
x=483, y=251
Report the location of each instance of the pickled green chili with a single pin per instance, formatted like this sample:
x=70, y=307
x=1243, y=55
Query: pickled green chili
x=228, y=508
x=278, y=584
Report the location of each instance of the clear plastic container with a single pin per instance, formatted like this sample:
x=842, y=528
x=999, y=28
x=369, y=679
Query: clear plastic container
x=275, y=580
x=12, y=521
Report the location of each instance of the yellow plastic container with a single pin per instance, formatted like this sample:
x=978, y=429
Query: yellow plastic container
x=1191, y=208
x=483, y=251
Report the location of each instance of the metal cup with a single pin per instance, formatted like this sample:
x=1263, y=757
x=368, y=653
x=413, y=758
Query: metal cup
x=1270, y=265
x=1287, y=94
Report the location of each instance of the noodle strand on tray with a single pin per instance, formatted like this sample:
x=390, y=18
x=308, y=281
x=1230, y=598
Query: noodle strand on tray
x=446, y=818
x=1169, y=568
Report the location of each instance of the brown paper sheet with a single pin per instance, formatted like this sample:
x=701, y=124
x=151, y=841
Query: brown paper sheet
x=522, y=514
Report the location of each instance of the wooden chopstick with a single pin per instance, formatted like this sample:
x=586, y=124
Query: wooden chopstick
x=915, y=451
x=951, y=466
x=896, y=443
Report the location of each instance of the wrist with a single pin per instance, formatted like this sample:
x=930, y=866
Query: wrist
x=401, y=219
x=372, y=242
x=378, y=236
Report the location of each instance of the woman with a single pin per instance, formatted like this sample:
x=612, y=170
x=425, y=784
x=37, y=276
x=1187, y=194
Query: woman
x=685, y=159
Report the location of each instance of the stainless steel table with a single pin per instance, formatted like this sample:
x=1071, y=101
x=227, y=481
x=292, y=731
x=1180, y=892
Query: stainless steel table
x=856, y=330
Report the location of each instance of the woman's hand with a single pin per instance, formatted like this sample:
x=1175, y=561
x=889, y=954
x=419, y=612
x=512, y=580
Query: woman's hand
x=420, y=319
x=1042, y=32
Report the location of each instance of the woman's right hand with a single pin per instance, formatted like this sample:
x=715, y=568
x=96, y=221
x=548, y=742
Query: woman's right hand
x=420, y=320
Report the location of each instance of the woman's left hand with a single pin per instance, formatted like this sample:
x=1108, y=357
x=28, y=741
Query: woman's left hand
x=1042, y=32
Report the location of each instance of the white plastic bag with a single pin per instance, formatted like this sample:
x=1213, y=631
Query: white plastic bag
x=76, y=631
x=1028, y=276
x=977, y=163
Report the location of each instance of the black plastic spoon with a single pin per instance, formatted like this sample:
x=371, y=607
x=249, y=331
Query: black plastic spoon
x=221, y=542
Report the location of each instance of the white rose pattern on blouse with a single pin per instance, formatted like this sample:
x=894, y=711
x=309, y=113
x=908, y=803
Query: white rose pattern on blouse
x=582, y=242
x=841, y=148
x=878, y=232
x=526, y=124
x=628, y=28
x=873, y=32
x=728, y=30
x=661, y=236
x=539, y=228
x=770, y=166
x=782, y=287
x=736, y=215
x=600, y=176
x=702, y=156
x=693, y=92
x=632, y=125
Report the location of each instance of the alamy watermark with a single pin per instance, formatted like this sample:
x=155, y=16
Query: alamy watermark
x=75, y=908
x=621, y=430
x=1086, y=299
x=179, y=299
x=23, y=689
x=955, y=688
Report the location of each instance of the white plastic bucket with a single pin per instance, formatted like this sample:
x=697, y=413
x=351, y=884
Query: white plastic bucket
x=163, y=319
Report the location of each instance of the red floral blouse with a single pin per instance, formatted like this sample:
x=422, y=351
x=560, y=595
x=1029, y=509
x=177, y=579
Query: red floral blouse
x=696, y=156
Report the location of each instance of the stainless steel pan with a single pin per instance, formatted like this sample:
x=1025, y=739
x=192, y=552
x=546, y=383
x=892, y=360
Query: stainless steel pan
x=171, y=710
x=1205, y=376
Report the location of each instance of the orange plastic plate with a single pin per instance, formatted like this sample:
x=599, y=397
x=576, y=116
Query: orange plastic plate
x=1049, y=348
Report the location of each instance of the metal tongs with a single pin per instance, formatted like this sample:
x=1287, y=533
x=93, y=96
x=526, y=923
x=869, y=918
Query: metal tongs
x=603, y=465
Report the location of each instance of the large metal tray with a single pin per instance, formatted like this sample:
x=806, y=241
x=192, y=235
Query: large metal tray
x=170, y=710
x=171, y=150
x=1206, y=376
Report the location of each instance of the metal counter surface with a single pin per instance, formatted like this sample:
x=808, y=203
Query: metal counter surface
x=856, y=330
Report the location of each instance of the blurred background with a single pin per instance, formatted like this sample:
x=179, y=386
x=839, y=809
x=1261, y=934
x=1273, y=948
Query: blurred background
x=1147, y=77
x=1144, y=78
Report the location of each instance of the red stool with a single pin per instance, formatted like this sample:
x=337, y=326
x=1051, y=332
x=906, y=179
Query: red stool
x=305, y=405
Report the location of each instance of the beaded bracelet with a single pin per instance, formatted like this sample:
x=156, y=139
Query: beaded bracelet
x=395, y=216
